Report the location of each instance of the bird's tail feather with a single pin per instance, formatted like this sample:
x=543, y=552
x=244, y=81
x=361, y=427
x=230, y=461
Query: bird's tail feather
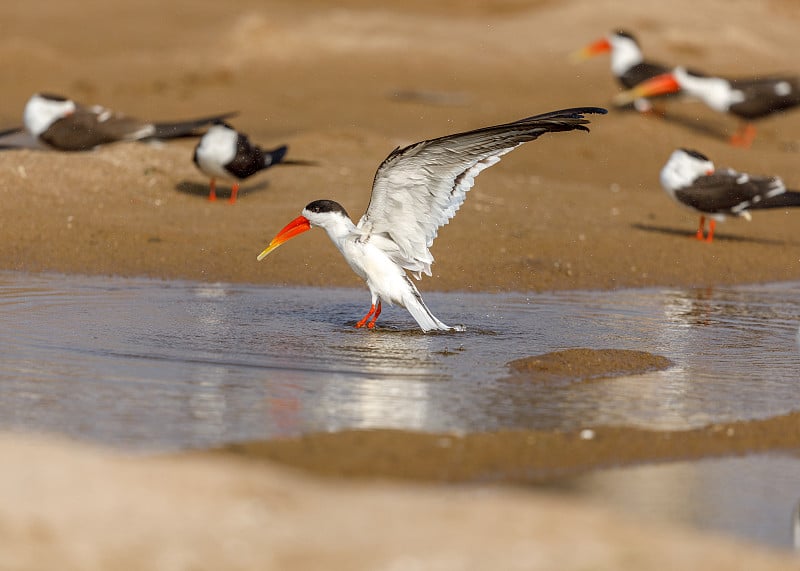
x=275, y=156
x=783, y=200
x=412, y=301
x=278, y=156
x=299, y=163
x=186, y=128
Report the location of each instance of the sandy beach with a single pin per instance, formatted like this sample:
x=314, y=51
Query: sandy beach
x=343, y=85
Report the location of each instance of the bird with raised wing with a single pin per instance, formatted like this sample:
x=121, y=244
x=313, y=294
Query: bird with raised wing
x=56, y=122
x=223, y=152
x=689, y=177
x=748, y=99
x=418, y=189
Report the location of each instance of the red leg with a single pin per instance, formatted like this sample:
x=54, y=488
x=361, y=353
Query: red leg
x=744, y=136
x=711, y=225
x=212, y=189
x=702, y=227
x=234, y=192
x=372, y=309
x=371, y=324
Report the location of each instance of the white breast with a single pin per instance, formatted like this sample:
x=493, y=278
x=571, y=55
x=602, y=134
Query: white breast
x=216, y=149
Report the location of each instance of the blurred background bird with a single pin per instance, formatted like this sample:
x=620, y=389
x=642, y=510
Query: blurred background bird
x=225, y=153
x=628, y=64
x=748, y=99
x=690, y=178
x=57, y=122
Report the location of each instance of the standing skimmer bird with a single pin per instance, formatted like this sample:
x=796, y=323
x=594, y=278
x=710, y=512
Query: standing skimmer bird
x=418, y=189
x=225, y=153
x=690, y=178
x=748, y=99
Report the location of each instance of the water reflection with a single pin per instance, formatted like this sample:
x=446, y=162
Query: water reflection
x=754, y=497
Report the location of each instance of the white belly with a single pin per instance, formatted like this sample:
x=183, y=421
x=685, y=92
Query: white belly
x=384, y=277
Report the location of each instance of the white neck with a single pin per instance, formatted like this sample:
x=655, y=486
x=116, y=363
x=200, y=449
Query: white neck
x=40, y=113
x=337, y=225
x=624, y=54
x=337, y=232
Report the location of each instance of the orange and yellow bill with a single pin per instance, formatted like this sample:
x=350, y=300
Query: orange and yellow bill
x=292, y=229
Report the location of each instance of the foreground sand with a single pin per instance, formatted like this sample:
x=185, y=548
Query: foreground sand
x=343, y=86
x=66, y=507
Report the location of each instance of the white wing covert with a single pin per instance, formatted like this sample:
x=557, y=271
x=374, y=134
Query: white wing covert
x=419, y=188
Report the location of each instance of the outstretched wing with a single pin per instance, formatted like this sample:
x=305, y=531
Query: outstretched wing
x=419, y=188
x=729, y=191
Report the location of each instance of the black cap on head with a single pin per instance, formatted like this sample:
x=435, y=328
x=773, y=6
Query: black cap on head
x=695, y=154
x=625, y=34
x=53, y=97
x=222, y=123
x=694, y=72
x=320, y=206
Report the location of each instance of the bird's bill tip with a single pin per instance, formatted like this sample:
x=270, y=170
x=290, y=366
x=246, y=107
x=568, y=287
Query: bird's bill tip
x=664, y=83
x=595, y=48
x=292, y=229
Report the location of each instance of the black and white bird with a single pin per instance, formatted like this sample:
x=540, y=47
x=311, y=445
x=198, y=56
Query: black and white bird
x=225, y=153
x=416, y=190
x=60, y=123
x=690, y=178
x=628, y=64
x=748, y=99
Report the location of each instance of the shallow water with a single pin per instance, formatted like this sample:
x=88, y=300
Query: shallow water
x=755, y=497
x=152, y=365
x=157, y=365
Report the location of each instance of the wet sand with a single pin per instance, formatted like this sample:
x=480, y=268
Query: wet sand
x=343, y=86
x=571, y=365
x=515, y=456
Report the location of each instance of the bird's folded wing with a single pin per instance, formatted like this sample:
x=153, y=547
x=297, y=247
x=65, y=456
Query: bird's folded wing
x=419, y=188
x=114, y=125
x=89, y=127
x=729, y=190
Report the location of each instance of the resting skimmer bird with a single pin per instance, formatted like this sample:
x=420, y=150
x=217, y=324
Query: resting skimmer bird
x=418, y=189
x=690, y=178
x=60, y=123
